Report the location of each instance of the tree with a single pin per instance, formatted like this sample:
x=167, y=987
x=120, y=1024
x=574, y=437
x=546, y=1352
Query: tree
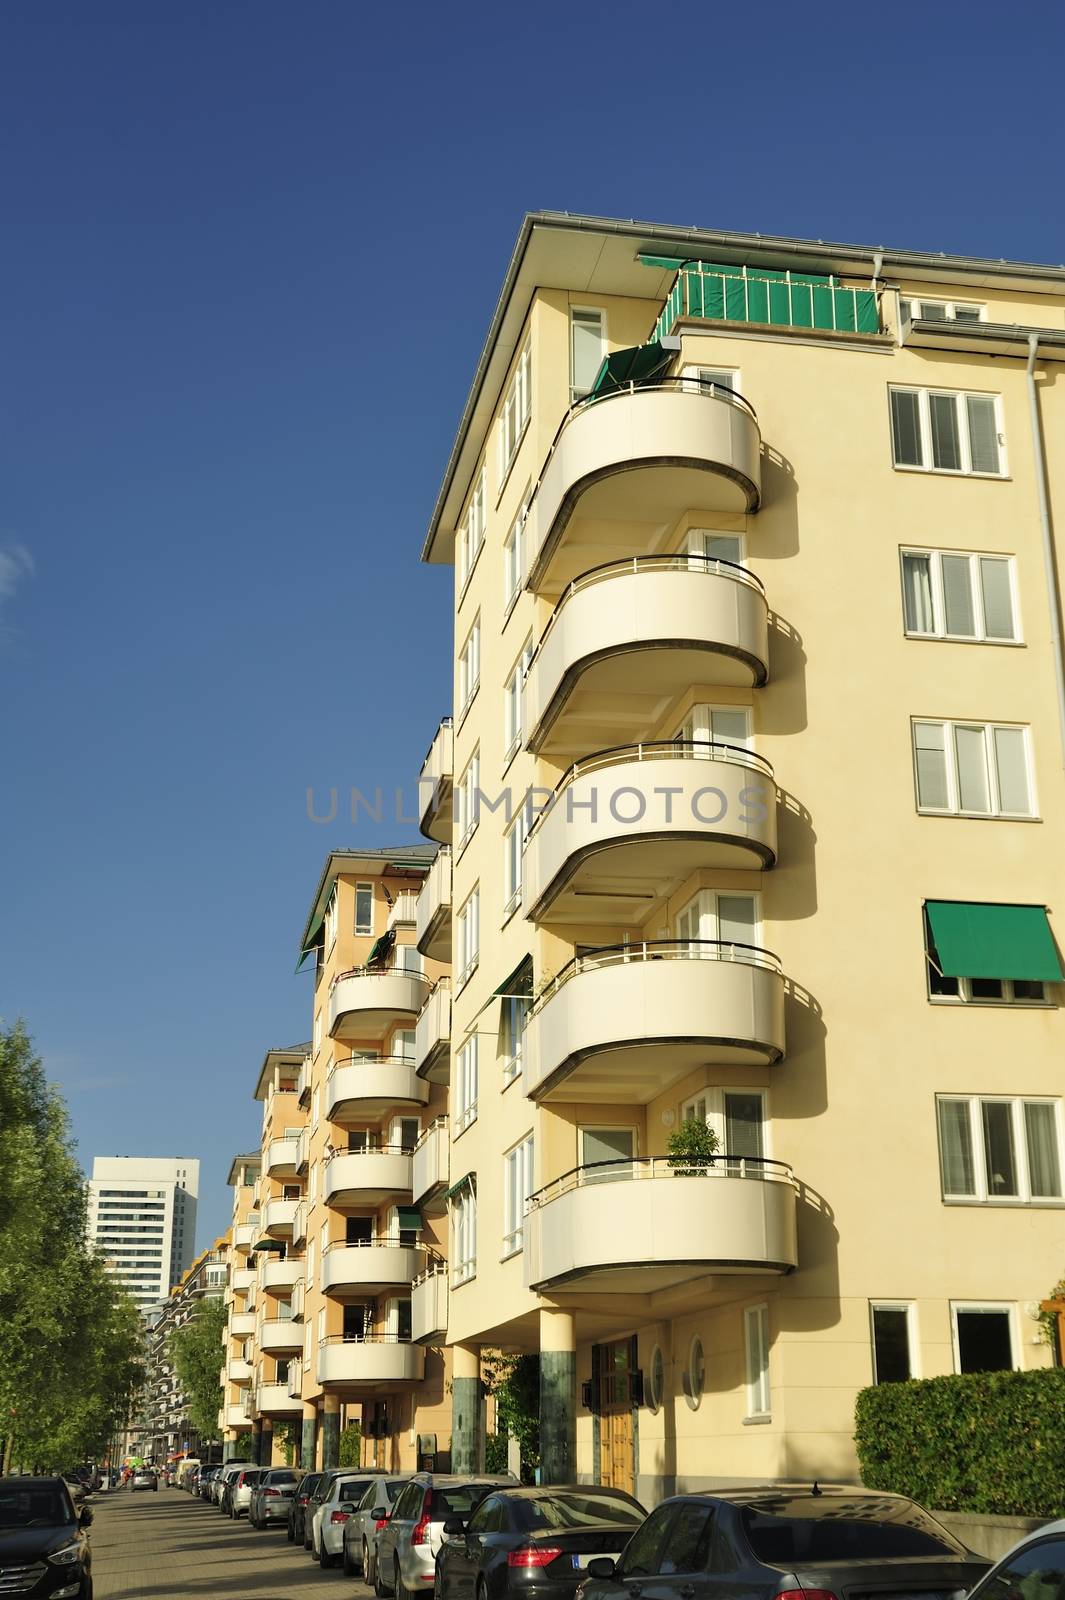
x=196, y=1351
x=351, y=1446
x=692, y=1148
x=514, y=1382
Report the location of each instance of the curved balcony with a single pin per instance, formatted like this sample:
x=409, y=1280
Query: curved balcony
x=241, y=1324
x=628, y=825
x=436, y=785
x=376, y=1362
x=431, y=1168
x=432, y=1035
x=239, y=1371
x=303, y=1082
x=632, y=636
x=282, y=1155
x=278, y=1277
x=624, y=1022
x=299, y=1223
x=353, y=1271
x=277, y=1400
x=246, y=1233
x=366, y=1002
x=278, y=1217
x=367, y=1177
x=360, y=1091
x=242, y=1279
x=236, y=1417
x=433, y=927
x=625, y=465
x=428, y=1305
x=636, y=1227
x=299, y=1297
x=280, y=1336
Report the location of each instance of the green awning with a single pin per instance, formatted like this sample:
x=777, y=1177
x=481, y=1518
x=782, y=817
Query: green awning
x=268, y=1244
x=303, y=958
x=408, y=1217
x=670, y=263
x=467, y=1178
x=518, y=982
x=976, y=940
x=638, y=364
x=381, y=947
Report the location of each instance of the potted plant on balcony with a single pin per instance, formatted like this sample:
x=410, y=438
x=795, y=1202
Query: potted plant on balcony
x=692, y=1148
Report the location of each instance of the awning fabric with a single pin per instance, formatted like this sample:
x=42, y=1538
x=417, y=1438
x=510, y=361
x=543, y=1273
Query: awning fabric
x=409, y=1218
x=382, y=947
x=518, y=982
x=467, y=1178
x=638, y=364
x=268, y=1244
x=977, y=940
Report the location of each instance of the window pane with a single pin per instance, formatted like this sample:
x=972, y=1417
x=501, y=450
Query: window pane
x=1041, y=1137
x=917, y=594
x=688, y=1549
x=1028, y=989
x=1012, y=769
x=983, y=433
x=986, y=988
x=931, y=761
x=905, y=428
x=640, y=1559
x=932, y=311
x=998, y=1148
x=958, y=596
x=743, y=1124
x=955, y=1147
x=891, y=1344
x=984, y=1343
x=970, y=747
x=613, y=1145
x=946, y=446
x=1038, y=1573
x=719, y=377
x=735, y=918
x=997, y=597
x=967, y=313
x=728, y=727
x=722, y=546
x=587, y=350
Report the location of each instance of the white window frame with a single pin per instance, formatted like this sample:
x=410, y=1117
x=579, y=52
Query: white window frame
x=695, y=1397
x=515, y=839
x=695, y=543
x=756, y=1362
x=913, y=1344
x=950, y=308
x=983, y=1195
x=939, y=616
x=363, y=927
x=518, y=1186
x=706, y=900
x=472, y=528
x=464, y=1236
x=514, y=557
x=467, y=807
x=709, y=1103
x=468, y=938
x=317, y=1036
x=515, y=412
x=924, y=424
x=469, y=667
x=513, y=730
x=1004, y=1307
x=697, y=724
x=332, y=918
x=703, y=374
x=575, y=392
x=510, y=1008
x=309, y=1272
x=953, y=808
x=464, y=1087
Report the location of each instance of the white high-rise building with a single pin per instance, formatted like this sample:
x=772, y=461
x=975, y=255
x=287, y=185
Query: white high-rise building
x=142, y=1216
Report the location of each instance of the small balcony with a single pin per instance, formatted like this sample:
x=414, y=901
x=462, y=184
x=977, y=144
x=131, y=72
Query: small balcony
x=277, y=1277
x=299, y=1296
x=303, y=1142
x=432, y=1035
x=239, y=1371
x=276, y=1400
x=282, y=1154
x=628, y=464
x=245, y=1234
x=372, y=1364
x=403, y=912
x=355, y=1271
x=433, y=927
x=303, y=1082
x=280, y=1336
x=367, y=1177
x=236, y=1417
x=436, y=785
x=294, y=1379
x=625, y=1022
x=278, y=1217
x=627, y=825
x=241, y=1324
x=632, y=636
x=431, y=1167
x=367, y=1002
x=242, y=1279
x=428, y=1309
x=299, y=1223
x=358, y=1091
x=638, y=1227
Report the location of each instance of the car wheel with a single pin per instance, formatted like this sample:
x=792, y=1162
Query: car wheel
x=324, y=1558
x=367, y=1564
x=438, y=1585
x=347, y=1565
x=291, y=1531
x=379, y=1587
x=399, y=1588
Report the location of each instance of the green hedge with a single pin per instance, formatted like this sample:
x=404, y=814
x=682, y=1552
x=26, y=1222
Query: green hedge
x=991, y=1442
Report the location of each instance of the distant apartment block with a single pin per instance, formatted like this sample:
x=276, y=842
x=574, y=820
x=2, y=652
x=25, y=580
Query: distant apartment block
x=142, y=1218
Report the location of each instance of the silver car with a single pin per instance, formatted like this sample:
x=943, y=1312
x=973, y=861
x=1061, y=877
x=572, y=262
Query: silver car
x=361, y=1530
x=224, y=1479
x=272, y=1496
x=408, y=1542
x=333, y=1510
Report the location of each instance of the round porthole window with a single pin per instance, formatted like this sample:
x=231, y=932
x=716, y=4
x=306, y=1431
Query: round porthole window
x=695, y=1376
x=658, y=1379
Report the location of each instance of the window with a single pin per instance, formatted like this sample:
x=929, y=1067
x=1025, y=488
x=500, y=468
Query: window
x=657, y=1384
x=893, y=1342
x=512, y=729
x=587, y=346
x=1038, y=1570
x=467, y=805
x=464, y=1089
x=468, y=938
x=713, y=377
x=941, y=310
x=514, y=417
x=756, y=1339
x=973, y=769
x=403, y=1044
x=513, y=850
x=517, y=1187
x=317, y=1031
x=999, y=1149
x=977, y=991
x=640, y=1556
x=690, y=1534
x=331, y=920
x=719, y=919
x=716, y=546
x=695, y=1375
x=513, y=555
x=952, y=594
x=607, y=1154
x=316, y=1103
x=983, y=1337
x=464, y=1235
x=310, y=1263
x=716, y=725
x=471, y=532
x=947, y=431
x=515, y=1007
x=470, y=666
x=364, y=908
x=737, y=1116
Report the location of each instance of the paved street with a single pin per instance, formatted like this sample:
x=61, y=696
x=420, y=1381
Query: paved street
x=167, y=1545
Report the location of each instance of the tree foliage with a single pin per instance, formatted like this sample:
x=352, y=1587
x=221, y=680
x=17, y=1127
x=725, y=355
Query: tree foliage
x=196, y=1350
x=693, y=1142
x=351, y=1446
x=514, y=1383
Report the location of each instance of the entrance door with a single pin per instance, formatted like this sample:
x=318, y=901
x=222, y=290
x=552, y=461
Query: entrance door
x=617, y=1443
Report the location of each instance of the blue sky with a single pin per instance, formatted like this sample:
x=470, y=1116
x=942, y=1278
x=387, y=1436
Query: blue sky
x=249, y=255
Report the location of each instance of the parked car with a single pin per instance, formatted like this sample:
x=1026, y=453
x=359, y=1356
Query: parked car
x=520, y=1540
x=42, y=1535
x=333, y=1510
x=321, y=1489
x=205, y=1480
x=304, y=1490
x=408, y=1543
x=144, y=1478
x=272, y=1496
x=768, y=1543
x=222, y=1482
x=239, y=1491
x=361, y=1530
x=1033, y=1570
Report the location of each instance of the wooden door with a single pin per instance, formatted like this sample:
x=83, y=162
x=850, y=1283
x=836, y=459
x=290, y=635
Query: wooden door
x=617, y=1444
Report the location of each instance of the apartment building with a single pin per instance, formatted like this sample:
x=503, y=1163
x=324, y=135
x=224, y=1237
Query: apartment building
x=751, y=815
x=235, y=1414
x=165, y=1409
x=142, y=1218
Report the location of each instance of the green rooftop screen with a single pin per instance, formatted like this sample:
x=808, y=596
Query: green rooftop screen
x=758, y=294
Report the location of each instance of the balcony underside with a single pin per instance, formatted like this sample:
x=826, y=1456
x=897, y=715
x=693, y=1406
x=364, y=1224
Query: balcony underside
x=434, y=941
x=366, y=1005
x=370, y=1369
x=638, y=1071
x=356, y=1272
x=620, y=879
x=437, y=811
x=368, y=1090
x=367, y=1178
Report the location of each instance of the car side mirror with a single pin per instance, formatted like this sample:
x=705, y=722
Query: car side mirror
x=455, y=1528
x=346, y=1505
x=86, y=1515
x=380, y=1513
x=602, y=1567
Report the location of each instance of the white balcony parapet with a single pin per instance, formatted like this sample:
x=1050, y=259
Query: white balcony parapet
x=369, y=1268
x=436, y=783
x=242, y=1280
x=276, y=1400
x=299, y=1222
x=369, y=1000
x=367, y=1177
x=278, y=1217
x=281, y=1154
x=373, y=1361
x=432, y=1034
x=241, y=1323
x=433, y=927
x=429, y=1304
x=299, y=1294
x=239, y=1370
x=303, y=1082
x=280, y=1335
x=277, y=1277
x=431, y=1165
x=403, y=912
x=294, y=1377
x=236, y=1416
x=359, y=1090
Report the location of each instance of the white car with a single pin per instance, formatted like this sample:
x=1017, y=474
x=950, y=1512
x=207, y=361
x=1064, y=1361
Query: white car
x=224, y=1479
x=239, y=1496
x=1034, y=1568
x=329, y=1521
x=371, y=1514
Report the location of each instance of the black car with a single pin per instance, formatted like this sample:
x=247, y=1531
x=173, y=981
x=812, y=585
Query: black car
x=304, y=1489
x=44, y=1549
x=788, y=1543
x=533, y=1542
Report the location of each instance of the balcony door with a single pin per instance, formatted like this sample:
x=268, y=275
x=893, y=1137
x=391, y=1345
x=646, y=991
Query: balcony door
x=718, y=546
x=709, y=725
x=723, y=918
x=615, y=1366
x=615, y=1145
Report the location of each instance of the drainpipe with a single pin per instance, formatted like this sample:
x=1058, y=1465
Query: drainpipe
x=1049, y=560
x=878, y=265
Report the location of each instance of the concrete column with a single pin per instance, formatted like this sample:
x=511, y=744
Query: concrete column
x=266, y=1444
x=467, y=1409
x=255, y=1458
x=330, y=1432
x=309, y=1441
x=558, y=1396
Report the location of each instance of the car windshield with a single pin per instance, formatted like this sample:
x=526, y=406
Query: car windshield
x=33, y=1506
x=392, y=1488
x=349, y=1489
x=797, y=1531
x=576, y=1511
x=459, y=1499
x=282, y=1477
